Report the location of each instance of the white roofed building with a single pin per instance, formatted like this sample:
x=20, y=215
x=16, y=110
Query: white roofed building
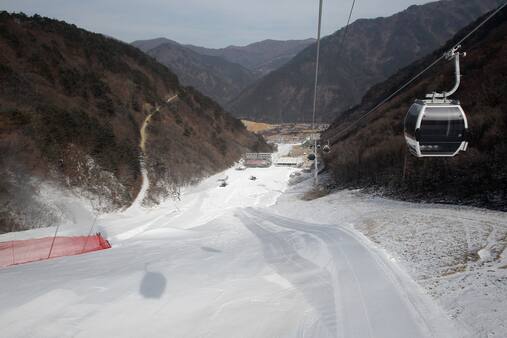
x=296, y=162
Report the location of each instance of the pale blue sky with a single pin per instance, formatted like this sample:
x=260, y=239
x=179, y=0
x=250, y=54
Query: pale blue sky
x=212, y=23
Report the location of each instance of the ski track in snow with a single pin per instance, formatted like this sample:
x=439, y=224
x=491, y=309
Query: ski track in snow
x=248, y=260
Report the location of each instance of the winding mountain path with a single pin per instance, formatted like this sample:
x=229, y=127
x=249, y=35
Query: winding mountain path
x=142, y=144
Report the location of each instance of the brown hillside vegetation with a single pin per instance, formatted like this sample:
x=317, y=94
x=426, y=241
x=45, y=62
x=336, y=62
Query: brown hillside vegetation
x=71, y=106
x=372, y=154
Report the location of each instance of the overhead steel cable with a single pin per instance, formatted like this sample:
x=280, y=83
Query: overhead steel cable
x=481, y=24
x=346, y=29
x=335, y=138
x=317, y=57
x=384, y=101
x=317, y=60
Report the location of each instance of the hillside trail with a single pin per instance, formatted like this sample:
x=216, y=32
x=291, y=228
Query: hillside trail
x=144, y=136
x=142, y=144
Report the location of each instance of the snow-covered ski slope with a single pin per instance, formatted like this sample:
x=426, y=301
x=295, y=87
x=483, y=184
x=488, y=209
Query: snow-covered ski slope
x=246, y=260
x=456, y=253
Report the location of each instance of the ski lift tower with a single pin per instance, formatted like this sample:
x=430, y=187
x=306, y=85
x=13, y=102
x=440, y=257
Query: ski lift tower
x=315, y=138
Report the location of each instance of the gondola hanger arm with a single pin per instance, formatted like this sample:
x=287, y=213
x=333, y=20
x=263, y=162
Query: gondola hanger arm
x=451, y=54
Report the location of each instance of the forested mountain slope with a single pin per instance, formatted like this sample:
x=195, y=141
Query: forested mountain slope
x=71, y=107
x=373, y=50
x=373, y=154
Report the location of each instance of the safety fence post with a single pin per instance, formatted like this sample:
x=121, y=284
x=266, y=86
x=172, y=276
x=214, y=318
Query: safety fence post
x=53, y=242
x=89, y=233
x=13, y=258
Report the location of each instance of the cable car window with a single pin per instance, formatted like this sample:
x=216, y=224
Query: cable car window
x=442, y=130
x=411, y=119
x=442, y=124
x=440, y=148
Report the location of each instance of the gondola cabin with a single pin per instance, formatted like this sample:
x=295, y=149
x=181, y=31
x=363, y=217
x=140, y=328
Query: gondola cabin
x=436, y=128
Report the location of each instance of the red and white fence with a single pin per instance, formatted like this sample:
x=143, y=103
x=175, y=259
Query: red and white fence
x=31, y=250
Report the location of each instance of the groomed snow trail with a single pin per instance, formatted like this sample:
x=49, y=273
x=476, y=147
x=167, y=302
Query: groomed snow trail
x=223, y=262
x=352, y=292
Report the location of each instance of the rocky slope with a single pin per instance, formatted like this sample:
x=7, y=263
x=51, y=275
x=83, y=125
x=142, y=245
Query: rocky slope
x=71, y=107
x=373, y=50
x=214, y=76
x=373, y=154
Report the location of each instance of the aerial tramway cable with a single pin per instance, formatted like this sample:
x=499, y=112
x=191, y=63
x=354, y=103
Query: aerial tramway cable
x=315, y=88
x=317, y=57
x=346, y=29
x=336, y=137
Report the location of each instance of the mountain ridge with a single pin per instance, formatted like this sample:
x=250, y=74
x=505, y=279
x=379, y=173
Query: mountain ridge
x=373, y=50
x=261, y=57
x=218, y=78
x=221, y=73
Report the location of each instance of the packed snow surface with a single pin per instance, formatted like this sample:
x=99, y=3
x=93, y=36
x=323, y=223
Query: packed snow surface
x=247, y=260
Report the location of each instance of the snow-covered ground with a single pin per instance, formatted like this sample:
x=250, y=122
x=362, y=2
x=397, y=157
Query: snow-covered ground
x=457, y=254
x=253, y=260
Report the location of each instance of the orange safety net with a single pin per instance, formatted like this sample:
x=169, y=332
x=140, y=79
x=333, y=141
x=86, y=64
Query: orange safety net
x=31, y=250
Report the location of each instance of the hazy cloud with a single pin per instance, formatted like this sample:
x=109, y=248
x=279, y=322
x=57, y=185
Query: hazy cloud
x=213, y=23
